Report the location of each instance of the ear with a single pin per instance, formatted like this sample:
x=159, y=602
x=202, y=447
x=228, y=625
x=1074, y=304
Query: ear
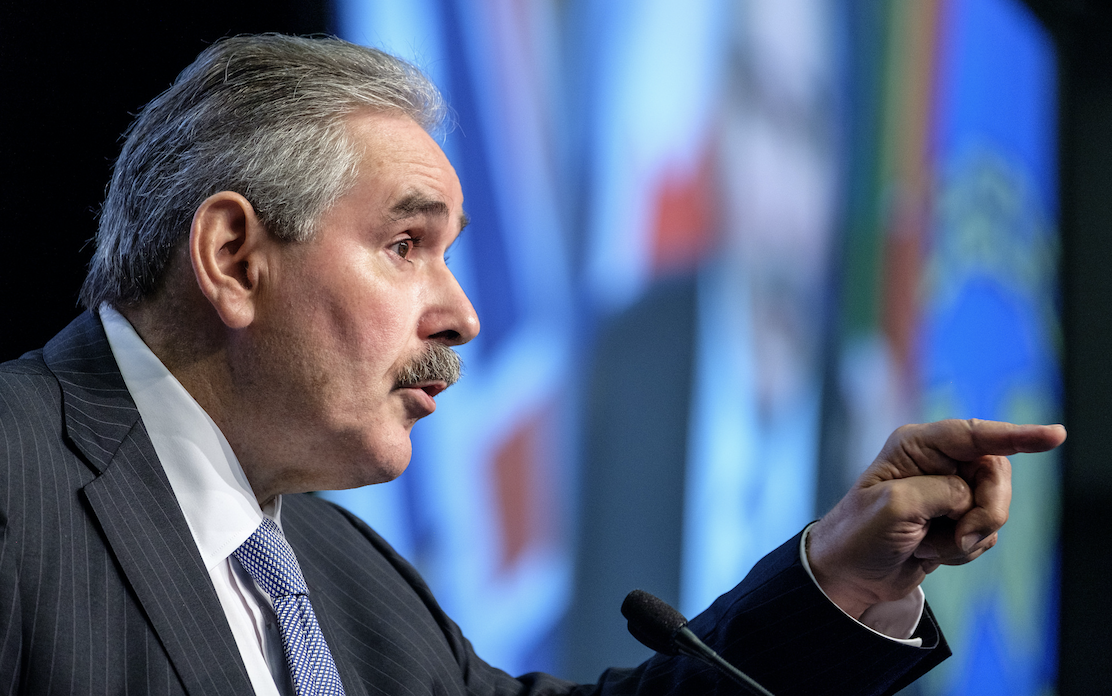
x=227, y=247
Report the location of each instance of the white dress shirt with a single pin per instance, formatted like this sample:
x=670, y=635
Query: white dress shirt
x=214, y=496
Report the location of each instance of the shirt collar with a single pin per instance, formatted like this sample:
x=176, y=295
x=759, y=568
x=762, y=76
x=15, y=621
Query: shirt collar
x=212, y=490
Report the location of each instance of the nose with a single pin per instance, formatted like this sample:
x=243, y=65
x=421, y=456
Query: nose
x=451, y=319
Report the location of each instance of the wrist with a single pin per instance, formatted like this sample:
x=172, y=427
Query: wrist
x=824, y=565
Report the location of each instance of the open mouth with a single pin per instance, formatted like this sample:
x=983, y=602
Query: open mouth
x=422, y=396
x=432, y=389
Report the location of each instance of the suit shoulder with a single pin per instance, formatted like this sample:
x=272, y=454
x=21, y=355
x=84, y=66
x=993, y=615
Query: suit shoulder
x=306, y=511
x=333, y=535
x=31, y=363
x=27, y=386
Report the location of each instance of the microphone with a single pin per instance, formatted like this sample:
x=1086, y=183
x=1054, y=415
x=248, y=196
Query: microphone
x=655, y=624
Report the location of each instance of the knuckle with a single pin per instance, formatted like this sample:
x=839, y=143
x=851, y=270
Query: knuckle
x=904, y=429
x=899, y=501
x=892, y=499
x=971, y=426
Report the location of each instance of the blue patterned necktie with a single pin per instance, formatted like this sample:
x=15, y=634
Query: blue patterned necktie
x=270, y=561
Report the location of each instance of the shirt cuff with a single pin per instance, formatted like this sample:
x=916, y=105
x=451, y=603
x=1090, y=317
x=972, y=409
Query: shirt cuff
x=895, y=620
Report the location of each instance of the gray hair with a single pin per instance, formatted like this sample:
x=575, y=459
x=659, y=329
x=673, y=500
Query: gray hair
x=263, y=116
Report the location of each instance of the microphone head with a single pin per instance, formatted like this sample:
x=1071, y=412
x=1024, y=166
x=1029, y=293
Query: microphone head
x=652, y=621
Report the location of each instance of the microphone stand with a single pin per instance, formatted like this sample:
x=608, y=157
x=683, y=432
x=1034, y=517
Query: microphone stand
x=657, y=625
x=687, y=643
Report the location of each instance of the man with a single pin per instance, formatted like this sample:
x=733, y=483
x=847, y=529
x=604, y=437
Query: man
x=270, y=313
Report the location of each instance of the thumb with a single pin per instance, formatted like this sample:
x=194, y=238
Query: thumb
x=919, y=499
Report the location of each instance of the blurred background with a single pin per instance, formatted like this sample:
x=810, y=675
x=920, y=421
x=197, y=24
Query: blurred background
x=720, y=249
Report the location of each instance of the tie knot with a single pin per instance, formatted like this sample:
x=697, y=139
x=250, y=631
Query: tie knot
x=268, y=558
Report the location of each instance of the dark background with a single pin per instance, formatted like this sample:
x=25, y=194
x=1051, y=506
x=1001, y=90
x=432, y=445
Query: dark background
x=1083, y=32
x=73, y=77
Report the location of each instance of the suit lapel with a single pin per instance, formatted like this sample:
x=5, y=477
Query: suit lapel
x=142, y=522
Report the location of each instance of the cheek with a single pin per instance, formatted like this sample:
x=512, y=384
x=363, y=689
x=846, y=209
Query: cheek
x=363, y=310
x=373, y=328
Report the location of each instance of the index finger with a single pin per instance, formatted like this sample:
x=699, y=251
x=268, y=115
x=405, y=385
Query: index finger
x=966, y=440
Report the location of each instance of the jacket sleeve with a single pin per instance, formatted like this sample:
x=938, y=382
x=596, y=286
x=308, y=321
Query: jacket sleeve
x=776, y=626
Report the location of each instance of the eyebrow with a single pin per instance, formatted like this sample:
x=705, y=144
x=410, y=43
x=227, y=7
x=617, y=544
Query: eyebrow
x=417, y=205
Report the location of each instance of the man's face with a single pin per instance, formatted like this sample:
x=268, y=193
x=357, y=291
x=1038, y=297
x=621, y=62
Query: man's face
x=350, y=309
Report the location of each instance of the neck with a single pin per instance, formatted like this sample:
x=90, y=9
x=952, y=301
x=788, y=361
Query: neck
x=192, y=348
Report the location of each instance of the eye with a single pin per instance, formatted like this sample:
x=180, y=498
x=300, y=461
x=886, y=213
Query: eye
x=403, y=247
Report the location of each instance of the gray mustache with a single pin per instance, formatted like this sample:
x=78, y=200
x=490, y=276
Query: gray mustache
x=437, y=363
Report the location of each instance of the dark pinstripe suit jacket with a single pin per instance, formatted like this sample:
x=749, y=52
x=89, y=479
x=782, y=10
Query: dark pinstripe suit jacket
x=102, y=589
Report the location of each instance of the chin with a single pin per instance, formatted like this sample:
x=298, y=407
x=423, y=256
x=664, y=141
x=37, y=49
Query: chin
x=362, y=475
x=386, y=474
x=357, y=458
x=381, y=464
